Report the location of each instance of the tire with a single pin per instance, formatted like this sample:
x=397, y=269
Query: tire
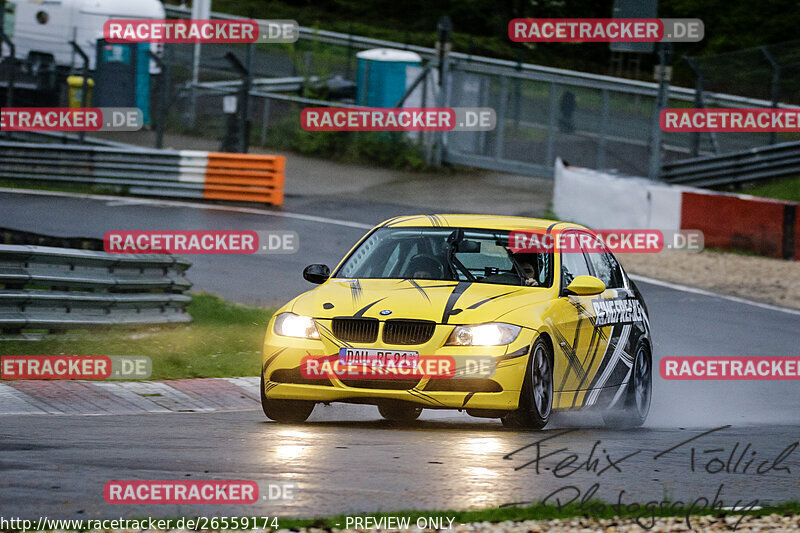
x=636, y=402
x=399, y=412
x=288, y=411
x=536, y=396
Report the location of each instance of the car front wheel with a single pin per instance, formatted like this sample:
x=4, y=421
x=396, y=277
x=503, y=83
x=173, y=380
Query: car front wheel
x=536, y=397
x=288, y=411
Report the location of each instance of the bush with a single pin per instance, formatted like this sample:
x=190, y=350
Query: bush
x=387, y=149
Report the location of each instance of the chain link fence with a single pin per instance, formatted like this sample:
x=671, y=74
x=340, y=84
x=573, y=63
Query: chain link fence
x=769, y=73
x=589, y=120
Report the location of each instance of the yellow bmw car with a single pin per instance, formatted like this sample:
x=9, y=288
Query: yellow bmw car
x=450, y=312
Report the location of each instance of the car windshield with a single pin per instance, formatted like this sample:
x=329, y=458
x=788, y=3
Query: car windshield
x=462, y=254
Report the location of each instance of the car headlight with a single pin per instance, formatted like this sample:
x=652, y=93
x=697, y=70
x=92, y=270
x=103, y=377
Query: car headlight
x=292, y=325
x=491, y=334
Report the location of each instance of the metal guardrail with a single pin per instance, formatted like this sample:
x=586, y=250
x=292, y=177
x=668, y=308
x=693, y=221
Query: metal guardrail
x=50, y=288
x=183, y=173
x=293, y=83
x=49, y=137
x=99, y=165
x=765, y=162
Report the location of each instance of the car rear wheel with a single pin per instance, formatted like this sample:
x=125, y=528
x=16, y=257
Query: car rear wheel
x=636, y=401
x=399, y=412
x=536, y=397
x=289, y=411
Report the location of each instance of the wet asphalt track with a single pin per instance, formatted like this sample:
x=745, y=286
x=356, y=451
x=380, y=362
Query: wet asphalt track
x=346, y=459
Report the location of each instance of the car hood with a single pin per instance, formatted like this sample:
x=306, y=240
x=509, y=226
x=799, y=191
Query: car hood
x=445, y=302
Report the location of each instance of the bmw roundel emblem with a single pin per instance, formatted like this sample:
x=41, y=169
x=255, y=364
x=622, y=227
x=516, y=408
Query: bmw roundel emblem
x=386, y=312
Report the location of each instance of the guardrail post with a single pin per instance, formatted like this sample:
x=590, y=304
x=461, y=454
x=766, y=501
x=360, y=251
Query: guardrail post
x=776, y=86
x=551, y=126
x=444, y=28
x=264, y=120
x=501, y=119
x=162, y=98
x=201, y=9
x=427, y=137
x=244, y=95
x=247, y=84
x=698, y=102
x=601, y=143
x=423, y=102
x=12, y=74
x=665, y=58
x=517, y=105
x=85, y=89
x=350, y=55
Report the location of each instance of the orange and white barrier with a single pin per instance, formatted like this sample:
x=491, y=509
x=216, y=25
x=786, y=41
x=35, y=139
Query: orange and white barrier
x=245, y=177
x=170, y=173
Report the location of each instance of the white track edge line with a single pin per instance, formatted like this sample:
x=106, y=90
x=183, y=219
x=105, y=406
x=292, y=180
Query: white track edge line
x=193, y=205
x=703, y=292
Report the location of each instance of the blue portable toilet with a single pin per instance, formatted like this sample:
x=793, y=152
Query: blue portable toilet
x=382, y=76
x=122, y=76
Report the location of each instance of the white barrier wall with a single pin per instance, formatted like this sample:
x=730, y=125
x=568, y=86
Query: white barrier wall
x=604, y=201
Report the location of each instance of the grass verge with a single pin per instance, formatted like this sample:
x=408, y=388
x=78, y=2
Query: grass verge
x=589, y=509
x=644, y=516
x=42, y=185
x=782, y=189
x=224, y=340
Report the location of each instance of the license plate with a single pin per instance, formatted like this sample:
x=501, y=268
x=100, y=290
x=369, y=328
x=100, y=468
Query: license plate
x=379, y=358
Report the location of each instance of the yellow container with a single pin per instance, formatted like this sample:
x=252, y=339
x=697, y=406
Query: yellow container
x=75, y=84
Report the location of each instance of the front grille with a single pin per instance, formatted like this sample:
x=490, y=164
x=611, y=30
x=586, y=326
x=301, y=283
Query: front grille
x=295, y=376
x=355, y=329
x=464, y=385
x=399, y=331
x=388, y=384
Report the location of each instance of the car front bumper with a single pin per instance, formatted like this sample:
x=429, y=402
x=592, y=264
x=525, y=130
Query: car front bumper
x=496, y=390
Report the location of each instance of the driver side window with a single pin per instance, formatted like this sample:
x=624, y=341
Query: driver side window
x=607, y=269
x=573, y=264
x=605, y=266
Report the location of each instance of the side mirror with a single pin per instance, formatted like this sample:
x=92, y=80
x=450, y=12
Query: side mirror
x=585, y=286
x=318, y=273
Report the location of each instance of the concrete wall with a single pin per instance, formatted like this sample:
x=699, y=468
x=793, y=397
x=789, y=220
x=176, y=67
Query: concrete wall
x=601, y=200
x=729, y=221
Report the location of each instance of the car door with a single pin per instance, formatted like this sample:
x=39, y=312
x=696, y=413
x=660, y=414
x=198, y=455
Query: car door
x=579, y=346
x=620, y=317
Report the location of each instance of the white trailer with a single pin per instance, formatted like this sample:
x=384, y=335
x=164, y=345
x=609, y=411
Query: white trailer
x=47, y=26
